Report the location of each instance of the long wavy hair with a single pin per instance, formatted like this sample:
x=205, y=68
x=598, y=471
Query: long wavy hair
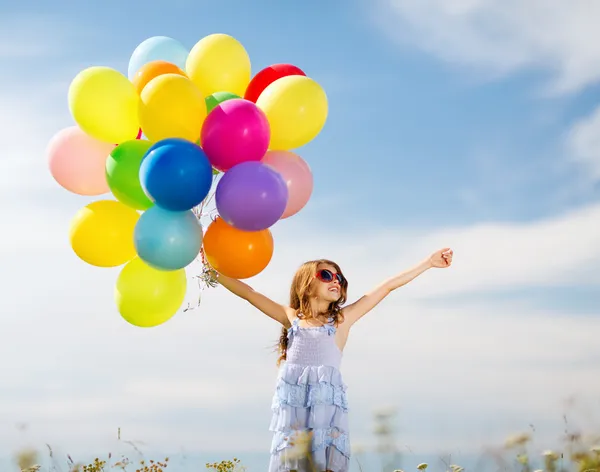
x=300, y=296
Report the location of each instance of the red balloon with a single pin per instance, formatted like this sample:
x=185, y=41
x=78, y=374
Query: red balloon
x=267, y=76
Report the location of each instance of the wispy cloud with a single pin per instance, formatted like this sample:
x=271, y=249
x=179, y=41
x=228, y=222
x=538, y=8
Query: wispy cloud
x=495, y=256
x=463, y=360
x=499, y=37
x=583, y=145
x=34, y=36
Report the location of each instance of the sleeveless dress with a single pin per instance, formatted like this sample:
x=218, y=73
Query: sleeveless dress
x=311, y=397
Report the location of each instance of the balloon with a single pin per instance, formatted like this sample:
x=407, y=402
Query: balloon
x=296, y=107
x=76, y=161
x=123, y=173
x=151, y=70
x=101, y=233
x=104, y=104
x=218, y=97
x=172, y=107
x=235, y=131
x=168, y=240
x=235, y=253
x=176, y=174
x=140, y=135
x=147, y=297
x=251, y=196
x=297, y=175
x=219, y=62
x=267, y=76
x=157, y=48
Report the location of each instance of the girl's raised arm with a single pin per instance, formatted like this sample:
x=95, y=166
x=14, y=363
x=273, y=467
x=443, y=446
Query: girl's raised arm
x=270, y=308
x=358, y=309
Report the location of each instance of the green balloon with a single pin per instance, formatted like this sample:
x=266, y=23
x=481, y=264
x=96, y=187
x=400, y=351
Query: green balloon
x=216, y=98
x=122, y=173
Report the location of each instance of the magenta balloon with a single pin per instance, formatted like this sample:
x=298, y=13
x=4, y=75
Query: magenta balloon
x=234, y=132
x=297, y=175
x=251, y=196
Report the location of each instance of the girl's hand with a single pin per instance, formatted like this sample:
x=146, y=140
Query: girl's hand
x=441, y=258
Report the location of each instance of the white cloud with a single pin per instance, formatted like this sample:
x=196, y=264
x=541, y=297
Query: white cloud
x=498, y=37
x=492, y=257
x=583, y=145
x=443, y=365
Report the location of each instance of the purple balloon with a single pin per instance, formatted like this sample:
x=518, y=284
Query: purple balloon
x=251, y=196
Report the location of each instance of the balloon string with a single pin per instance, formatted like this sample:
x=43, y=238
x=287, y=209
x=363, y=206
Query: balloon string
x=207, y=277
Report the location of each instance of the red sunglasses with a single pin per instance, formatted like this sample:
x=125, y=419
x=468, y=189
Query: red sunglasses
x=325, y=275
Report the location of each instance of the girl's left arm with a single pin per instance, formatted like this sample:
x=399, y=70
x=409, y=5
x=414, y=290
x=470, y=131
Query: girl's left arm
x=358, y=309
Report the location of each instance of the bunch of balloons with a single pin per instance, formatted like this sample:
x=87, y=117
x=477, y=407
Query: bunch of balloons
x=159, y=139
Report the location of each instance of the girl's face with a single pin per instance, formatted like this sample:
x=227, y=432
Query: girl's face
x=327, y=283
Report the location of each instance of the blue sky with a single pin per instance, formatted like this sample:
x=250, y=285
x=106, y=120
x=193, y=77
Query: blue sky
x=427, y=128
x=469, y=124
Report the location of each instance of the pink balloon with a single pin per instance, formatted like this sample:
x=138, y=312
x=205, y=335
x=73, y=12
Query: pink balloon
x=235, y=131
x=297, y=175
x=77, y=161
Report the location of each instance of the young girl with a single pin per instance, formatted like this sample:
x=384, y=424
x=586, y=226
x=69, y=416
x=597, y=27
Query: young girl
x=310, y=395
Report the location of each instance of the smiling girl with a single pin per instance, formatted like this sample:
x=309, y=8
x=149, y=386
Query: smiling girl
x=310, y=395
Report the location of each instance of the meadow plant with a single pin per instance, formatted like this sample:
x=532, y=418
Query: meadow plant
x=579, y=454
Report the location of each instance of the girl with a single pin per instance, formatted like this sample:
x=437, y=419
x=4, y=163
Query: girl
x=310, y=396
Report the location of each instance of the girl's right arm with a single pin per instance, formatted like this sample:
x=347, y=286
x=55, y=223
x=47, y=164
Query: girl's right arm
x=270, y=308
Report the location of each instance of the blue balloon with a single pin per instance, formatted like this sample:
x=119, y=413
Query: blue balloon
x=176, y=174
x=167, y=240
x=157, y=48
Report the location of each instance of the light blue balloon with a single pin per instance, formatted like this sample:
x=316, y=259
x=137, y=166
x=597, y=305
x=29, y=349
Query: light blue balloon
x=167, y=240
x=157, y=48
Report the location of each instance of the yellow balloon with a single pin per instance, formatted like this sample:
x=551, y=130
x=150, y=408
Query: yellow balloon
x=296, y=107
x=147, y=297
x=172, y=107
x=101, y=233
x=104, y=103
x=219, y=62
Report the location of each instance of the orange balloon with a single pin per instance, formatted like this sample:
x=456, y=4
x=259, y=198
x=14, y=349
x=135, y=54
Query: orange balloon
x=235, y=253
x=151, y=70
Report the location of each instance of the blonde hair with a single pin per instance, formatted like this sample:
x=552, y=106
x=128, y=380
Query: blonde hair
x=300, y=295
